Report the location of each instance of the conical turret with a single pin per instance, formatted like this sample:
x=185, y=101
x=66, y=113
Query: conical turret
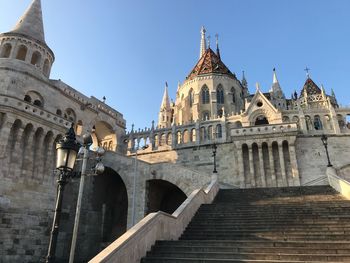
x=31, y=23
x=165, y=113
x=203, y=46
x=276, y=89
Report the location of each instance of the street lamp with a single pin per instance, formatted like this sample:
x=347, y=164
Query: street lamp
x=214, y=147
x=324, y=139
x=67, y=149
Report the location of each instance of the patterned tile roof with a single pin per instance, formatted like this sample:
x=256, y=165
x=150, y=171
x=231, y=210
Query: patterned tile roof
x=310, y=87
x=209, y=63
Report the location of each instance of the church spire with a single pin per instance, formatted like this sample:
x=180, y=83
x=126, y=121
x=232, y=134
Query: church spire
x=217, y=45
x=276, y=89
x=31, y=23
x=166, y=100
x=203, y=46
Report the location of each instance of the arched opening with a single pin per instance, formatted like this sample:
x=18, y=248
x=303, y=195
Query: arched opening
x=286, y=119
x=46, y=68
x=36, y=58
x=261, y=120
x=348, y=121
x=256, y=165
x=79, y=128
x=308, y=123
x=205, y=95
x=110, y=203
x=104, y=134
x=266, y=162
x=163, y=196
x=193, y=135
x=220, y=94
x=59, y=112
x=210, y=133
x=27, y=98
x=205, y=115
x=170, y=139
x=156, y=140
x=178, y=137
x=22, y=53
x=318, y=123
x=238, y=124
x=35, y=98
x=6, y=50
x=38, y=103
x=162, y=140
x=296, y=119
x=341, y=121
x=277, y=164
x=203, y=135
x=186, y=136
x=287, y=163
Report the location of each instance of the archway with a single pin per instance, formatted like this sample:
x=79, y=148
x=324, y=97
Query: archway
x=110, y=201
x=261, y=120
x=163, y=196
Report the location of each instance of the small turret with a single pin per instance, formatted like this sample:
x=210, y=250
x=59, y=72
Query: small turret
x=165, y=113
x=203, y=46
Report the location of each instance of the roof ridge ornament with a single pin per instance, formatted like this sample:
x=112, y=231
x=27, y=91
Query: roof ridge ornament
x=307, y=72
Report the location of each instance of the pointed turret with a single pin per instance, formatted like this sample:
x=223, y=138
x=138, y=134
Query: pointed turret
x=31, y=23
x=165, y=113
x=203, y=46
x=217, y=46
x=166, y=100
x=276, y=89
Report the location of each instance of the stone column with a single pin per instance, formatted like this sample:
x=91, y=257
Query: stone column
x=198, y=133
x=240, y=165
x=282, y=164
x=14, y=165
x=294, y=164
x=272, y=165
x=251, y=166
x=261, y=162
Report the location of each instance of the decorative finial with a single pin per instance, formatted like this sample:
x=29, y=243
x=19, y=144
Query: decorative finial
x=104, y=99
x=203, y=46
x=217, y=45
x=307, y=72
x=166, y=84
x=257, y=86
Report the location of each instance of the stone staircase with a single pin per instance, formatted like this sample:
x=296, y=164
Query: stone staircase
x=294, y=224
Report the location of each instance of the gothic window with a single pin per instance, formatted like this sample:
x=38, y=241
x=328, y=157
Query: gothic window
x=317, y=123
x=218, y=131
x=190, y=97
x=220, y=94
x=6, y=51
x=233, y=95
x=36, y=57
x=205, y=95
x=206, y=116
x=22, y=53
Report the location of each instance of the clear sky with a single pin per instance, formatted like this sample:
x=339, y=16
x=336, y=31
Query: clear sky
x=126, y=50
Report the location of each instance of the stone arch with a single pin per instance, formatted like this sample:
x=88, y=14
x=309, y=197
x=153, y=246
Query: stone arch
x=261, y=120
x=205, y=115
x=341, y=121
x=296, y=119
x=46, y=68
x=203, y=133
x=36, y=59
x=260, y=113
x=210, y=134
x=79, y=128
x=2, y=119
x=193, y=135
x=318, y=123
x=109, y=202
x=162, y=140
x=178, y=137
x=238, y=124
x=35, y=98
x=103, y=135
x=6, y=51
x=156, y=140
x=22, y=52
x=162, y=195
x=186, y=136
x=285, y=119
x=169, y=139
x=69, y=114
x=308, y=121
x=218, y=132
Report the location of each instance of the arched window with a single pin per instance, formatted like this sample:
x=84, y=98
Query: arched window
x=193, y=135
x=6, y=50
x=27, y=98
x=36, y=58
x=46, y=68
x=233, y=95
x=218, y=131
x=220, y=94
x=38, y=103
x=190, y=97
x=261, y=120
x=22, y=53
x=70, y=115
x=210, y=133
x=205, y=95
x=206, y=115
x=59, y=112
x=318, y=123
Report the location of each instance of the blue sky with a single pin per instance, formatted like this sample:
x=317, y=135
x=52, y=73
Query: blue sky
x=126, y=50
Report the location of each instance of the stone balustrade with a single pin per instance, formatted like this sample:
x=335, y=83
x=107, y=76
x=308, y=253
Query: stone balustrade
x=266, y=129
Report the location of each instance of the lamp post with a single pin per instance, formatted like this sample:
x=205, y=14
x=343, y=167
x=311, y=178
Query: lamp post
x=99, y=169
x=324, y=139
x=67, y=150
x=214, y=147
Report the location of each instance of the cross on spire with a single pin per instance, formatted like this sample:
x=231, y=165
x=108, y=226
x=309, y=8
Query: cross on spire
x=307, y=72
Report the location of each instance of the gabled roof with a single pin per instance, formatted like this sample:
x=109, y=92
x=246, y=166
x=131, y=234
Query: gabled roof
x=31, y=23
x=310, y=87
x=209, y=63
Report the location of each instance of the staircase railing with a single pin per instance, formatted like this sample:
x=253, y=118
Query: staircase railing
x=135, y=243
x=339, y=184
